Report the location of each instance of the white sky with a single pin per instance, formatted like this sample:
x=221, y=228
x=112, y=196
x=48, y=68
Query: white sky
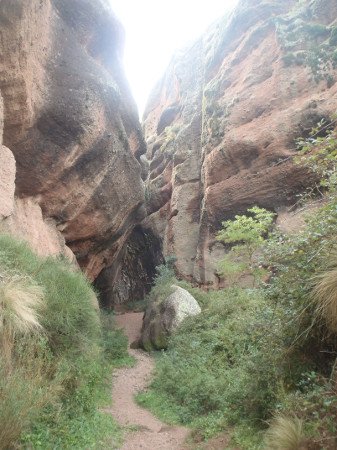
x=155, y=29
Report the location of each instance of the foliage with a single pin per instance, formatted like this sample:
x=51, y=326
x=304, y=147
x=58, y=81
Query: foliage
x=115, y=343
x=247, y=233
x=307, y=42
x=217, y=363
x=57, y=377
x=162, y=283
x=255, y=354
x=319, y=153
x=247, y=229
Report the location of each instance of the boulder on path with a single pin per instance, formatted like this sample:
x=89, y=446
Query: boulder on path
x=162, y=318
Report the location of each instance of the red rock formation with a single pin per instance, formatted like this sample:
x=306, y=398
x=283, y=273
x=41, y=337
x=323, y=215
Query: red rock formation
x=221, y=124
x=71, y=124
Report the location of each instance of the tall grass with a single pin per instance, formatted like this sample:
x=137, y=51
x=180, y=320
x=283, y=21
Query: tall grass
x=56, y=359
x=20, y=302
x=325, y=296
x=285, y=433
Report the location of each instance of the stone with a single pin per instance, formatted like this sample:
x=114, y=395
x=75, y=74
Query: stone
x=72, y=126
x=163, y=317
x=7, y=182
x=231, y=135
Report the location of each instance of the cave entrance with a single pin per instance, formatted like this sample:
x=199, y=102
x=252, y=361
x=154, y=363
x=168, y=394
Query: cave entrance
x=131, y=276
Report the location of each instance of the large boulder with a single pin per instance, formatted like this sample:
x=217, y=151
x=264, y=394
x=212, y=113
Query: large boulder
x=162, y=318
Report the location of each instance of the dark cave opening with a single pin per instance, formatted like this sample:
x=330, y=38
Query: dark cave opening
x=130, y=277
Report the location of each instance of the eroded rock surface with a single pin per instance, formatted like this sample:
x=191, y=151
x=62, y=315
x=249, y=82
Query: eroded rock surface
x=130, y=277
x=72, y=126
x=221, y=124
x=7, y=182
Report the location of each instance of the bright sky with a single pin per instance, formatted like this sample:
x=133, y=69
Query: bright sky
x=155, y=29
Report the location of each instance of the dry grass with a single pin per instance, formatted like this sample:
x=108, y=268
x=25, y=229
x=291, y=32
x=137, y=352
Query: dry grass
x=325, y=297
x=20, y=302
x=285, y=433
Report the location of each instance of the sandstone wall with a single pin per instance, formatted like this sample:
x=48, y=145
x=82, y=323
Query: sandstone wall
x=221, y=124
x=73, y=129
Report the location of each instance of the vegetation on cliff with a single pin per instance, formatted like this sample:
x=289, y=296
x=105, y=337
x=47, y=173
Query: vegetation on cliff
x=56, y=355
x=307, y=41
x=267, y=355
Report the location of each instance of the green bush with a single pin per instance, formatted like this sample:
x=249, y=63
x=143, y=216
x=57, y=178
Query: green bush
x=221, y=366
x=254, y=353
x=115, y=343
x=163, y=281
x=56, y=378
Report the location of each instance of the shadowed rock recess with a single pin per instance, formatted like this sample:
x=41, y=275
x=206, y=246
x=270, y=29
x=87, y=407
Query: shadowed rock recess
x=221, y=124
x=73, y=128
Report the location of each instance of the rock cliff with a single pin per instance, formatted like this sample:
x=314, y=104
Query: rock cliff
x=220, y=127
x=72, y=126
x=221, y=124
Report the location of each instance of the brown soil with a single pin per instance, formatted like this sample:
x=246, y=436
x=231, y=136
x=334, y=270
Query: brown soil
x=151, y=434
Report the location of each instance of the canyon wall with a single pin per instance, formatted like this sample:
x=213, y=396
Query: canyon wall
x=221, y=125
x=220, y=128
x=72, y=129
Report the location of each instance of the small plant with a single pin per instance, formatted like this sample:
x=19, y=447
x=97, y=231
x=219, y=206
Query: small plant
x=285, y=433
x=248, y=234
x=319, y=152
x=312, y=41
x=163, y=281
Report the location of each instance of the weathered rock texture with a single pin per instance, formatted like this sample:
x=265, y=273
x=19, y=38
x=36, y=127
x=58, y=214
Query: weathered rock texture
x=130, y=277
x=22, y=217
x=164, y=316
x=72, y=126
x=222, y=122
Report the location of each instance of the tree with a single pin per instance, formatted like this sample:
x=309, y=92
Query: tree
x=247, y=233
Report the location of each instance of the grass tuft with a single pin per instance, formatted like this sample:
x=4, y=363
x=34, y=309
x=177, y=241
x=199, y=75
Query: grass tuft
x=20, y=302
x=285, y=433
x=325, y=297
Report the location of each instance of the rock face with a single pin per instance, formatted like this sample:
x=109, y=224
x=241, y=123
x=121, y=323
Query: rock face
x=163, y=318
x=7, y=182
x=72, y=127
x=222, y=122
x=130, y=277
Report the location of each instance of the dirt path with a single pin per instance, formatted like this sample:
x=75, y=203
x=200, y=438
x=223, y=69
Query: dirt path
x=152, y=434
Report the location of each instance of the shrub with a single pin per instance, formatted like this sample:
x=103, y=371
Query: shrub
x=163, y=281
x=115, y=343
x=220, y=367
x=247, y=233
x=57, y=370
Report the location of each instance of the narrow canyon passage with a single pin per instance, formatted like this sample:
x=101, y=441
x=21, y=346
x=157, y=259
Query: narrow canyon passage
x=150, y=432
